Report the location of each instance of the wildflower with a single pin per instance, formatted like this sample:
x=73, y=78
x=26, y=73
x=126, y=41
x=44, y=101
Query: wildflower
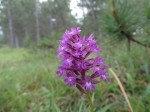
x=75, y=67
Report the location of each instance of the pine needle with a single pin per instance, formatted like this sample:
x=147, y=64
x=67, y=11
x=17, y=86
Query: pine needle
x=122, y=89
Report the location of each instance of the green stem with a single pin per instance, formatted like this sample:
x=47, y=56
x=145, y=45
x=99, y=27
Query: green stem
x=90, y=101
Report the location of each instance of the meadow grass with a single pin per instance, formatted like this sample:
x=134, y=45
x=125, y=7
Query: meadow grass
x=28, y=82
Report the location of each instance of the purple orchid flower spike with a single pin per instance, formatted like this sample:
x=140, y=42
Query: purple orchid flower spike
x=74, y=50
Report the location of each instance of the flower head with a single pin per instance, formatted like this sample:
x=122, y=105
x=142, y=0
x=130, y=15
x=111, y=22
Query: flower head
x=75, y=67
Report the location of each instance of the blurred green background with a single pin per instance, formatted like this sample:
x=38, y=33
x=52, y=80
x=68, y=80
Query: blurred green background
x=29, y=35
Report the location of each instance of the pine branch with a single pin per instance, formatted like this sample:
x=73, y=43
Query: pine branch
x=128, y=35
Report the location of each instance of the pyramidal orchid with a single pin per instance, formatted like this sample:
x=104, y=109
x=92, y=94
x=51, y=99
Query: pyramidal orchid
x=76, y=68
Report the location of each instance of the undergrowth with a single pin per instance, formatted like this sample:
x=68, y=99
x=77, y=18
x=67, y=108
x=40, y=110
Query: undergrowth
x=28, y=82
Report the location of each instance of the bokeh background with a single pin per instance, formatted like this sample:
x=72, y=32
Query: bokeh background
x=29, y=35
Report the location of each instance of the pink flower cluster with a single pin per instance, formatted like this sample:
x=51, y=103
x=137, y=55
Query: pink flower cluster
x=76, y=68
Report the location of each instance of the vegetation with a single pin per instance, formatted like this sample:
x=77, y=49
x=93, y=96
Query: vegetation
x=29, y=34
x=28, y=82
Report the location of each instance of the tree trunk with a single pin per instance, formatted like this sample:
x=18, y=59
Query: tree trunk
x=94, y=18
x=82, y=9
x=50, y=22
x=16, y=42
x=10, y=26
x=37, y=20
